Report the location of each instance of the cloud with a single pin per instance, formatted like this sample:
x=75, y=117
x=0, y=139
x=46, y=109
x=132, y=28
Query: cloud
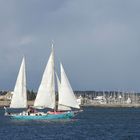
x=97, y=41
x=25, y=40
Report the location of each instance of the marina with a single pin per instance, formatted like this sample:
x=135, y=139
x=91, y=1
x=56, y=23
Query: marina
x=109, y=98
x=92, y=98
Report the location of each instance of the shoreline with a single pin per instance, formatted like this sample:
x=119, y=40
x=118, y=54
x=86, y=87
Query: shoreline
x=113, y=105
x=30, y=103
x=7, y=103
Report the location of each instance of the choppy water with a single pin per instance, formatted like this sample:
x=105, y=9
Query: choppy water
x=92, y=124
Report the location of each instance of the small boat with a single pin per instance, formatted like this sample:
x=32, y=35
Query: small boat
x=46, y=97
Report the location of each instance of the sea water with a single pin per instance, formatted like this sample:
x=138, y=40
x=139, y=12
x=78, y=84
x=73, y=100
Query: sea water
x=91, y=124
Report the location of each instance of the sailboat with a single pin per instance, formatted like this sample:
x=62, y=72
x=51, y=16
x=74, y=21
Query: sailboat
x=46, y=97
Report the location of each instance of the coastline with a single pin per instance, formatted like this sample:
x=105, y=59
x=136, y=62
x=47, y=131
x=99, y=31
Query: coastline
x=113, y=105
x=7, y=103
x=30, y=103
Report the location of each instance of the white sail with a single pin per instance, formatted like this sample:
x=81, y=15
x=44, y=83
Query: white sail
x=60, y=107
x=66, y=94
x=19, y=98
x=46, y=92
x=63, y=108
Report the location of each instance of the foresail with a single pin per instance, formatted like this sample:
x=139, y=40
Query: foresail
x=60, y=107
x=66, y=94
x=19, y=98
x=46, y=92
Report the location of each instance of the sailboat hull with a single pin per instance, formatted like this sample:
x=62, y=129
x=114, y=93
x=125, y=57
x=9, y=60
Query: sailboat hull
x=66, y=115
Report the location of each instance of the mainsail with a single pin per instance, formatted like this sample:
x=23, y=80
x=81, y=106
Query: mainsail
x=46, y=92
x=19, y=98
x=60, y=107
x=66, y=94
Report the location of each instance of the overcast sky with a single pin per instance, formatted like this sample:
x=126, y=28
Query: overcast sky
x=98, y=42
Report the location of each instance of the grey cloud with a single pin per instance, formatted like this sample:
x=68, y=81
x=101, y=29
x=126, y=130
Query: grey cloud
x=97, y=41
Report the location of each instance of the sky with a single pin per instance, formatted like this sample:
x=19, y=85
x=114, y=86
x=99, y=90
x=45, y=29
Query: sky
x=98, y=42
